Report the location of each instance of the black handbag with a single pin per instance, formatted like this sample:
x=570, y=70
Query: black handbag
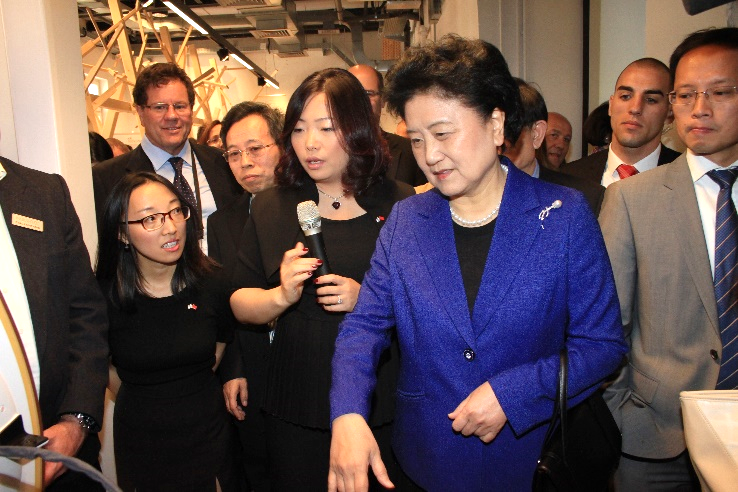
x=582, y=452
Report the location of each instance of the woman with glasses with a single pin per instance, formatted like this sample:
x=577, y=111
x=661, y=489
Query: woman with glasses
x=336, y=158
x=169, y=322
x=210, y=135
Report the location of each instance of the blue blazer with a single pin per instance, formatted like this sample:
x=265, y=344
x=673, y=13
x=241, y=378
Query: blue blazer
x=545, y=283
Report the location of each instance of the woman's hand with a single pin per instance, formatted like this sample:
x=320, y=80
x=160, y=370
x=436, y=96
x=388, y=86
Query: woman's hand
x=294, y=270
x=353, y=450
x=340, y=297
x=236, y=396
x=480, y=414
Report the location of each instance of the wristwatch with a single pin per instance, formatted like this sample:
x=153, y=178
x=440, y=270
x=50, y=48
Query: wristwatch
x=87, y=423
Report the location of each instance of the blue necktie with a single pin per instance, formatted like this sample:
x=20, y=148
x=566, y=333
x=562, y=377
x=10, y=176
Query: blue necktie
x=726, y=277
x=181, y=184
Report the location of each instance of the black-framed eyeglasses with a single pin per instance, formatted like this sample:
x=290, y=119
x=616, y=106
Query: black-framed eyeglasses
x=716, y=94
x=160, y=109
x=255, y=151
x=156, y=221
x=373, y=93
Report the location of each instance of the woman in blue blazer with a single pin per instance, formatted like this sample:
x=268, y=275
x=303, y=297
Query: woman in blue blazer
x=485, y=278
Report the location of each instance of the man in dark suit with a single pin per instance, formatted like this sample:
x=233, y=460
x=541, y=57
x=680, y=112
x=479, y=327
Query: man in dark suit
x=532, y=136
x=164, y=98
x=670, y=235
x=558, y=140
x=251, y=135
x=638, y=109
x=60, y=313
x=402, y=166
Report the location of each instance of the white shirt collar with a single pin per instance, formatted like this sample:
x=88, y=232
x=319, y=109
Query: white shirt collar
x=159, y=157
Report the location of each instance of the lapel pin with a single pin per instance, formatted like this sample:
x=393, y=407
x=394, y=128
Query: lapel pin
x=192, y=306
x=380, y=218
x=545, y=211
x=27, y=222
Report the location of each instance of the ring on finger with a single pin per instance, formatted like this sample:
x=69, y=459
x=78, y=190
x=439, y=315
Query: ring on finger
x=339, y=300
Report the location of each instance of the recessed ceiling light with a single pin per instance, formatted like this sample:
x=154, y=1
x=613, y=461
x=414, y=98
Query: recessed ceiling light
x=159, y=15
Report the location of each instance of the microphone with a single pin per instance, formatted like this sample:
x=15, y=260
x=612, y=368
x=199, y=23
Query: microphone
x=309, y=219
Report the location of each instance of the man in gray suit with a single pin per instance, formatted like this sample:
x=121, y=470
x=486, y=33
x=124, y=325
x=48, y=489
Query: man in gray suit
x=660, y=229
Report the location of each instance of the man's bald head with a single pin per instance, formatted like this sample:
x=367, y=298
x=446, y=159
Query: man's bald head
x=373, y=84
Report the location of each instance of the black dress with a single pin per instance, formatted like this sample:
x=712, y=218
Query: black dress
x=299, y=377
x=171, y=427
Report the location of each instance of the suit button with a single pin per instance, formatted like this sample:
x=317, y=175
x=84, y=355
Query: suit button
x=469, y=355
x=714, y=354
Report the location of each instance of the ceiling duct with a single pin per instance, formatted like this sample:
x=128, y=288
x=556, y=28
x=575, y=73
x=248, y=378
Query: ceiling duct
x=272, y=28
x=249, y=3
x=394, y=28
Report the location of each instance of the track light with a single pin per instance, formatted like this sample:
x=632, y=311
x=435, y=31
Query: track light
x=242, y=62
x=186, y=17
x=261, y=81
x=223, y=54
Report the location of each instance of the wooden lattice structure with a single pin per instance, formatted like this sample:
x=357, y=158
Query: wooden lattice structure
x=209, y=84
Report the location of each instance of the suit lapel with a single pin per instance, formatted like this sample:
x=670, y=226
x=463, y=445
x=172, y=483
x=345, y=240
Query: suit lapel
x=688, y=229
x=442, y=263
x=33, y=267
x=139, y=161
x=516, y=230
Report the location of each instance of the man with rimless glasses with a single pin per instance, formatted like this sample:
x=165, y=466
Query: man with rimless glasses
x=164, y=98
x=672, y=238
x=251, y=136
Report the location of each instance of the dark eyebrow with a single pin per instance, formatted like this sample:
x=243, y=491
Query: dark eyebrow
x=647, y=91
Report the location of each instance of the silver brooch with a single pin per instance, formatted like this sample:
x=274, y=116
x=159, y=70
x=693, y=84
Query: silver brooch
x=545, y=211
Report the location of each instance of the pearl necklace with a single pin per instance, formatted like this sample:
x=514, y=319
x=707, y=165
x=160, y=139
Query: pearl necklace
x=336, y=203
x=473, y=223
x=479, y=222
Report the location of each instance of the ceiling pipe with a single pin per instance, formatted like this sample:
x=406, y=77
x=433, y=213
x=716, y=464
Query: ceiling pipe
x=357, y=42
x=215, y=36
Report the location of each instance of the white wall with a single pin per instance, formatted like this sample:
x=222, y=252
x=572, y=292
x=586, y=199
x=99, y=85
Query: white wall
x=553, y=59
x=43, y=105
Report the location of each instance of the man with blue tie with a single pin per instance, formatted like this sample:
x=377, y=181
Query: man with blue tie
x=671, y=234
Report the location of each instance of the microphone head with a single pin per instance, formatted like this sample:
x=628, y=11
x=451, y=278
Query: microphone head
x=308, y=215
x=556, y=204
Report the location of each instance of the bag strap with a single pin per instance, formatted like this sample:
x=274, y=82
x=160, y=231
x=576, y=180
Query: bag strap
x=561, y=397
x=559, y=411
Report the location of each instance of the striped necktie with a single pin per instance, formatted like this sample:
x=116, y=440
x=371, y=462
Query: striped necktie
x=726, y=278
x=626, y=171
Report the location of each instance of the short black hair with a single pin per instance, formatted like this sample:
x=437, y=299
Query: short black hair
x=645, y=62
x=472, y=71
x=158, y=75
x=273, y=117
x=100, y=149
x=596, y=129
x=354, y=121
x=726, y=37
x=117, y=265
x=533, y=105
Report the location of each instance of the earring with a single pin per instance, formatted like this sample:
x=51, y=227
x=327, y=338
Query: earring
x=126, y=247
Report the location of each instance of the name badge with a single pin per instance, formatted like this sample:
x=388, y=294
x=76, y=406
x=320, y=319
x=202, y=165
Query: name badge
x=27, y=222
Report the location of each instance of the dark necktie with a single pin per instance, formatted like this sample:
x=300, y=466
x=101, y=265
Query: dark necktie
x=726, y=290
x=626, y=171
x=181, y=184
